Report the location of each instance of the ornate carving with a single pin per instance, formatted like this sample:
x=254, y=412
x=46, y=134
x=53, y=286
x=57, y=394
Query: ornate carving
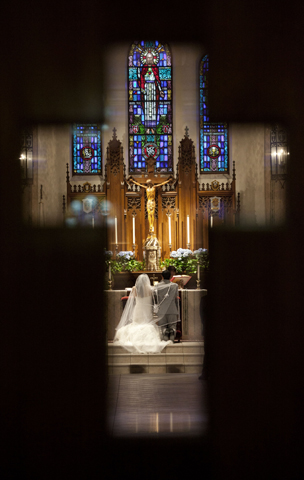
x=101, y=206
x=186, y=153
x=115, y=161
x=215, y=185
x=114, y=154
x=168, y=202
x=226, y=205
x=134, y=203
x=152, y=253
x=87, y=187
x=204, y=204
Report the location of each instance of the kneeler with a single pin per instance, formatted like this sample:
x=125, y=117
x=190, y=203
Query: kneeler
x=178, y=335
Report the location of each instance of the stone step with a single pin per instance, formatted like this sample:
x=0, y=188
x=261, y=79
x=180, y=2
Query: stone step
x=185, y=357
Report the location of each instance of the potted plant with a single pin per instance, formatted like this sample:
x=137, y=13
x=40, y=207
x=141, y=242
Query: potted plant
x=186, y=262
x=121, y=268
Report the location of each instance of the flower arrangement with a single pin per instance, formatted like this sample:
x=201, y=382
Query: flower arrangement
x=202, y=256
x=186, y=261
x=124, y=262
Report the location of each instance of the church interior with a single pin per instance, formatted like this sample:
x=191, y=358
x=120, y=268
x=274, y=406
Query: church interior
x=244, y=207
x=259, y=197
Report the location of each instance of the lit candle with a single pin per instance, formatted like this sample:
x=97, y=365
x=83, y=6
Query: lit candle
x=133, y=230
x=188, y=229
x=211, y=221
x=109, y=271
x=169, y=220
x=116, y=242
x=198, y=271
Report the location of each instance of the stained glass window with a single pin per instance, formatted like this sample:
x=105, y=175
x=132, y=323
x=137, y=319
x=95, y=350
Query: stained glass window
x=150, y=106
x=87, y=149
x=213, y=136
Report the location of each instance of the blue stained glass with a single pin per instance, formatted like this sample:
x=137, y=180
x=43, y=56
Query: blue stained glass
x=86, y=135
x=165, y=73
x=163, y=106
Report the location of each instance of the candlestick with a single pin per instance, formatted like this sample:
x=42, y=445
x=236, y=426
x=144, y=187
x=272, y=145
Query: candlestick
x=116, y=230
x=134, y=230
x=109, y=271
x=169, y=220
x=198, y=271
x=188, y=229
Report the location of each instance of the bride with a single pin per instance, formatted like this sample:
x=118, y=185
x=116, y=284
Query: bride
x=137, y=331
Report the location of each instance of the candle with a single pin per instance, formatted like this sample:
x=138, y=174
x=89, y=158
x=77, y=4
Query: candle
x=93, y=222
x=109, y=271
x=169, y=220
x=116, y=242
x=134, y=230
x=198, y=271
x=211, y=221
x=188, y=229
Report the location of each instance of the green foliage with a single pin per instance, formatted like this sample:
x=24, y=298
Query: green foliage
x=185, y=265
x=186, y=261
x=123, y=265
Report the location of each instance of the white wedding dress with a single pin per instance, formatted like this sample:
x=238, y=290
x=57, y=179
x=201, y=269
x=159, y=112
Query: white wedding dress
x=137, y=330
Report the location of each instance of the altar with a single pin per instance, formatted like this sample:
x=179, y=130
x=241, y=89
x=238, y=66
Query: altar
x=192, y=303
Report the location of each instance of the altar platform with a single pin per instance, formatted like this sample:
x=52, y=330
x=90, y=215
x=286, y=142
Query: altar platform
x=183, y=357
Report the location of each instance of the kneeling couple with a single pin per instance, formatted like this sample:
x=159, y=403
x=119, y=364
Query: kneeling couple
x=148, y=322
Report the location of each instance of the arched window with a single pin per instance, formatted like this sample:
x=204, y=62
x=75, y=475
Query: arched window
x=213, y=136
x=150, y=106
x=86, y=149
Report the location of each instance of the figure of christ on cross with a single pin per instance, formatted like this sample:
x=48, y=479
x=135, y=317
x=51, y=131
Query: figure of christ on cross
x=150, y=188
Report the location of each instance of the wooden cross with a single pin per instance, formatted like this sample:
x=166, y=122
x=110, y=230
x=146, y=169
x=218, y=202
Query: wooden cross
x=150, y=163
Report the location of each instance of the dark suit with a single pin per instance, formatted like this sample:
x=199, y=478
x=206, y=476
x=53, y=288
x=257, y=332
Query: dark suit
x=168, y=310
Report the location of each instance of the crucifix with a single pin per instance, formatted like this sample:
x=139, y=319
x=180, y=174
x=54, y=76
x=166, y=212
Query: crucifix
x=150, y=188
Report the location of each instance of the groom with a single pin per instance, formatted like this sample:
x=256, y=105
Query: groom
x=168, y=306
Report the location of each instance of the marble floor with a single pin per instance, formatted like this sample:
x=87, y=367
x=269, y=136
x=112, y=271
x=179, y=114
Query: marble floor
x=159, y=405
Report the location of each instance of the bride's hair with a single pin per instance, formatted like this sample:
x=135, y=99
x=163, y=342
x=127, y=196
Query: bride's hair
x=143, y=285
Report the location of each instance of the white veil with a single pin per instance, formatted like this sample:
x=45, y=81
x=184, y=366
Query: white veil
x=141, y=295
